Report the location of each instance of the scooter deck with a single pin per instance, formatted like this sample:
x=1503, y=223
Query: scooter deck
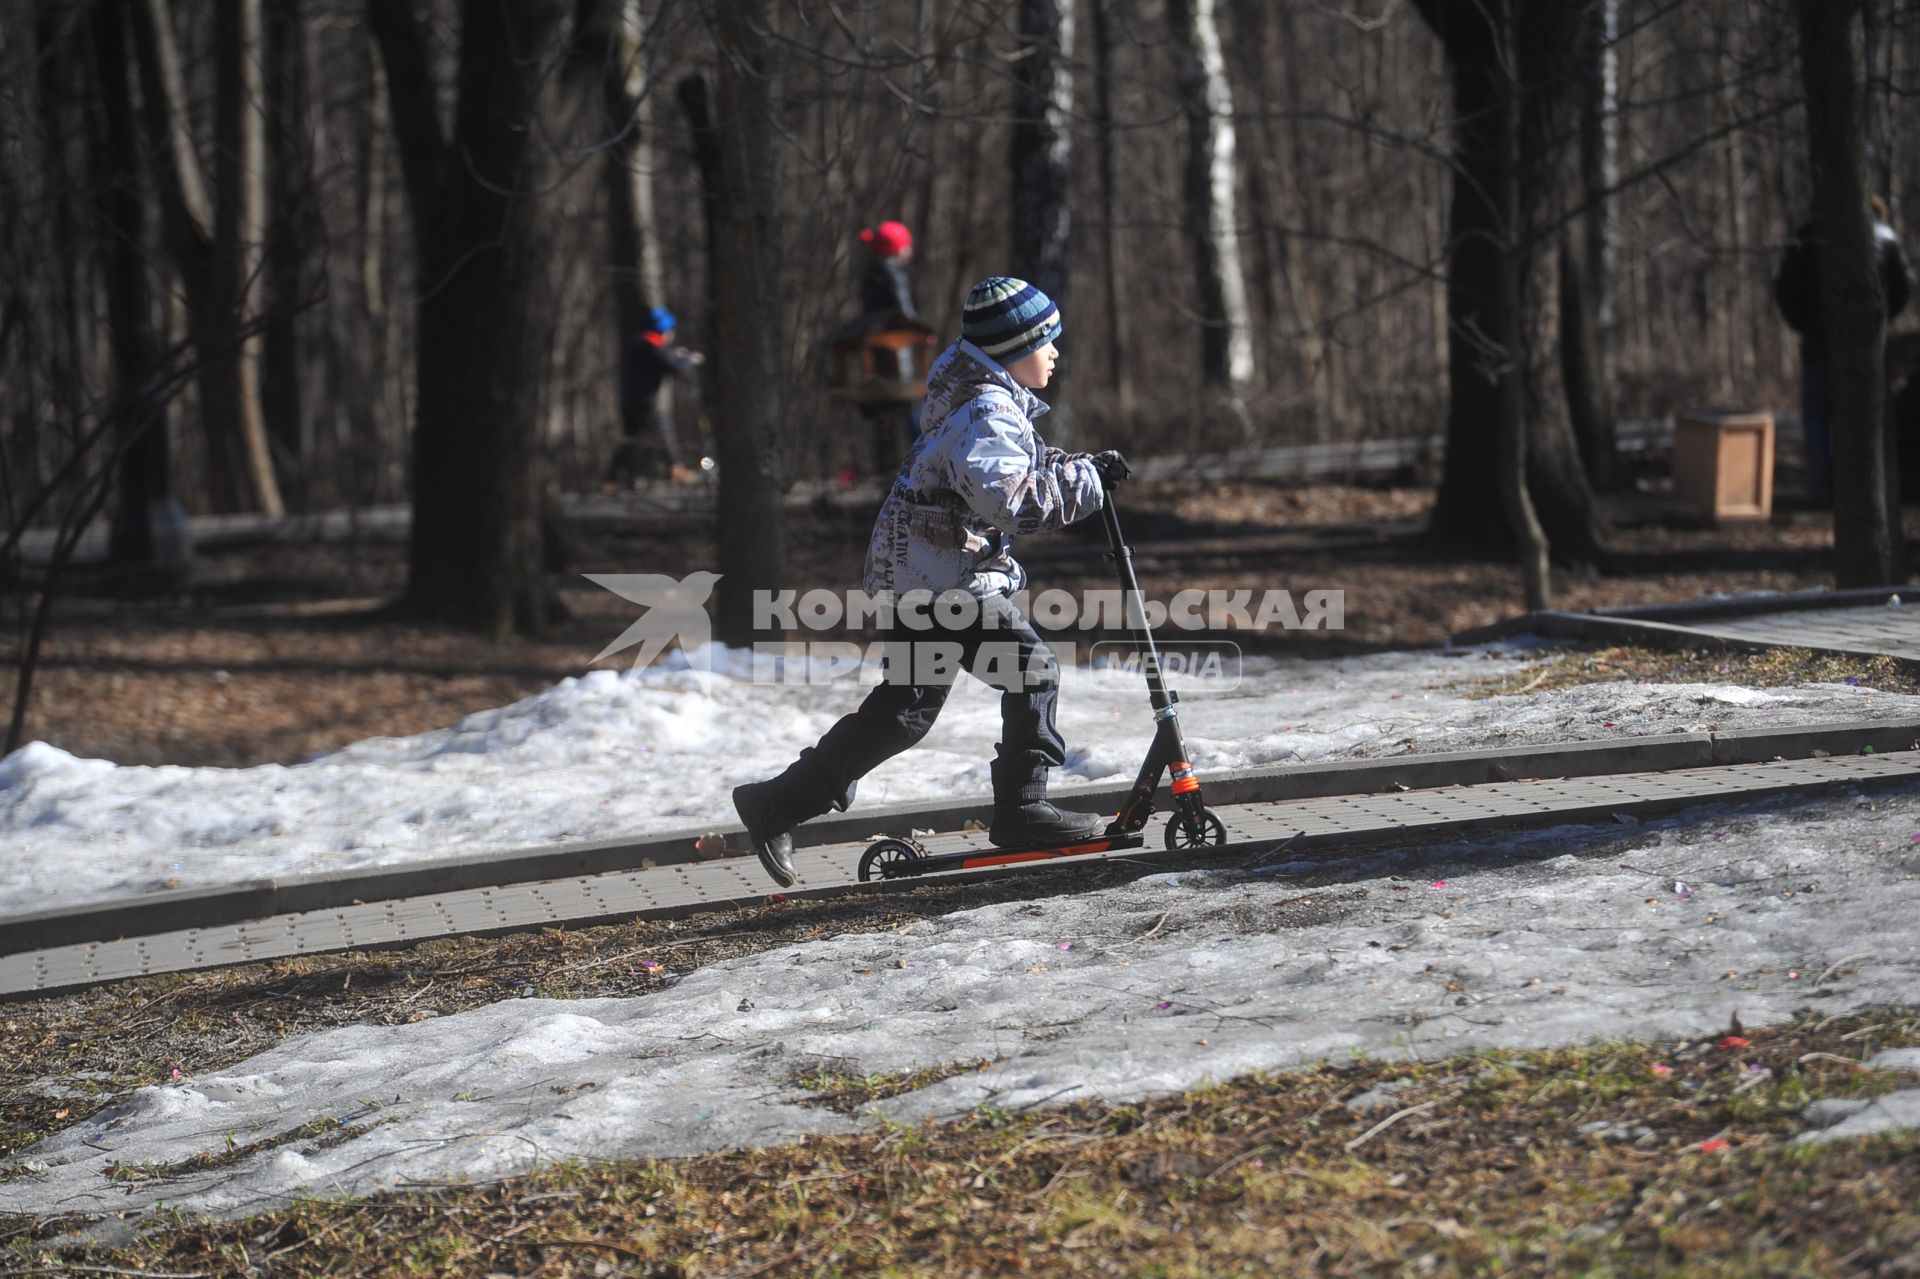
x=898, y=858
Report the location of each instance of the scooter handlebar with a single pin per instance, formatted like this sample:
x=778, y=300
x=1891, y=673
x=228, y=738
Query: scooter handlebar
x=1112, y=466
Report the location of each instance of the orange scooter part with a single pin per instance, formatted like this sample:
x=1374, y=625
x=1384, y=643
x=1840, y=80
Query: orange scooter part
x=1038, y=855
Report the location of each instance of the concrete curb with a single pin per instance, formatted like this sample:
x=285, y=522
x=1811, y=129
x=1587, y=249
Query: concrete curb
x=183, y=909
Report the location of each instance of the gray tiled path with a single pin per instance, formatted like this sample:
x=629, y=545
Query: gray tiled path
x=1863, y=622
x=1339, y=821
x=1889, y=629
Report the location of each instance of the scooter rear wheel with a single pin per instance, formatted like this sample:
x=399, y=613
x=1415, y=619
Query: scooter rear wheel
x=888, y=859
x=1196, y=830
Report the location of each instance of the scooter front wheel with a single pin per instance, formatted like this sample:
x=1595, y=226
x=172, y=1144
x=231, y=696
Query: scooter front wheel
x=888, y=859
x=1199, y=829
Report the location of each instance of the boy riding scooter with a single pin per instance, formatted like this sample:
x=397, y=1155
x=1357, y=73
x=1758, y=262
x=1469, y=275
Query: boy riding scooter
x=978, y=473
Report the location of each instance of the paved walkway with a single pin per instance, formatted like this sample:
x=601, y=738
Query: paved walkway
x=1316, y=826
x=1893, y=631
x=1881, y=621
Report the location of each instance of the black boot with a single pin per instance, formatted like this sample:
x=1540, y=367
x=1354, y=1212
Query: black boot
x=1016, y=825
x=771, y=809
x=768, y=828
x=1021, y=814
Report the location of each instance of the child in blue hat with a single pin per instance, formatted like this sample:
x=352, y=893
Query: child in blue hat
x=649, y=444
x=979, y=473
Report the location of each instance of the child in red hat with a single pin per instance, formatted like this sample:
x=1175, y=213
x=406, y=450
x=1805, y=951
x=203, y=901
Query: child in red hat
x=884, y=288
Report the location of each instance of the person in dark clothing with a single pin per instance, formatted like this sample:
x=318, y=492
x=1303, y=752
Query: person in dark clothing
x=1796, y=290
x=886, y=292
x=884, y=287
x=649, y=445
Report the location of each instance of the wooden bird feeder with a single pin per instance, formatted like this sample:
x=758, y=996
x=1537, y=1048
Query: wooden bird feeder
x=1723, y=465
x=887, y=364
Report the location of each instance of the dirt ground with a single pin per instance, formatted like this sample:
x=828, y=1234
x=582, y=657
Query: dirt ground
x=273, y=651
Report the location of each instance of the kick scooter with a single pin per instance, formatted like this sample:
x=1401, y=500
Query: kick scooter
x=1192, y=825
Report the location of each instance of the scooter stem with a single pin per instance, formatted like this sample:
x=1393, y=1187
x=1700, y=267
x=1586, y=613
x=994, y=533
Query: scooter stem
x=1135, y=613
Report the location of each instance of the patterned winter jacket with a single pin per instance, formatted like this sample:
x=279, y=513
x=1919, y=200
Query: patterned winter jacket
x=978, y=473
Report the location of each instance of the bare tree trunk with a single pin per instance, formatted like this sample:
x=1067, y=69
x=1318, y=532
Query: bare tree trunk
x=972, y=144
x=1505, y=190
x=1226, y=336
x=60, y=100
x=1120, y=370
x=1600, y=171
x=216, y=244
x=1874, y=121
x=1332, y=405
x=1041, y=155
x=1739, y=303
x=360, y=355
x=1867, y=547
x=1246, y=42
x=608, y=47
x=292, y=228
x=1480, y=360
x=149, y=526
x=1580, y=378
x=240, y=222
x=748, y=359
x=474, y=557
x=1590, y=391
x=1469, y=507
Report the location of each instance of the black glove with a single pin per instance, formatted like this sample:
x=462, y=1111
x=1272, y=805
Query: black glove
x=1112, y=467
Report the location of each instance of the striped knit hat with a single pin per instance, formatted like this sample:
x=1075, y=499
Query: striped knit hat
x=1009, y=318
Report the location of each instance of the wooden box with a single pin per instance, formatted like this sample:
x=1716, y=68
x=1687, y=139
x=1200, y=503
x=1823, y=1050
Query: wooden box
x=885, y=365
x=1723, y=465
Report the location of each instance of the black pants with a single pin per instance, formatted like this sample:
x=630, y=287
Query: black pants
x=999, y=647
x=649, y=444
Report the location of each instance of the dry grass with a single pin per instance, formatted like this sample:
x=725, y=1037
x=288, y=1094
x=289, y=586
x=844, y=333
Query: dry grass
x=1604, y=1160
x=1771, y=668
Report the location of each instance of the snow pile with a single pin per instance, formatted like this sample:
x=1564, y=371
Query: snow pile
x=610, y=755
x=1551, y=938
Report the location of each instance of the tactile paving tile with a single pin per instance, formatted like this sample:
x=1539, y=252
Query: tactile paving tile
x=1332, y=821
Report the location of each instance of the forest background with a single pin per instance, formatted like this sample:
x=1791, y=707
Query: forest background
x=295, y=255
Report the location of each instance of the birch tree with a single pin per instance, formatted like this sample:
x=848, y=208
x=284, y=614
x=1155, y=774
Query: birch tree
x=1211, y=175
x=1590, y=324
x=216, y=235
